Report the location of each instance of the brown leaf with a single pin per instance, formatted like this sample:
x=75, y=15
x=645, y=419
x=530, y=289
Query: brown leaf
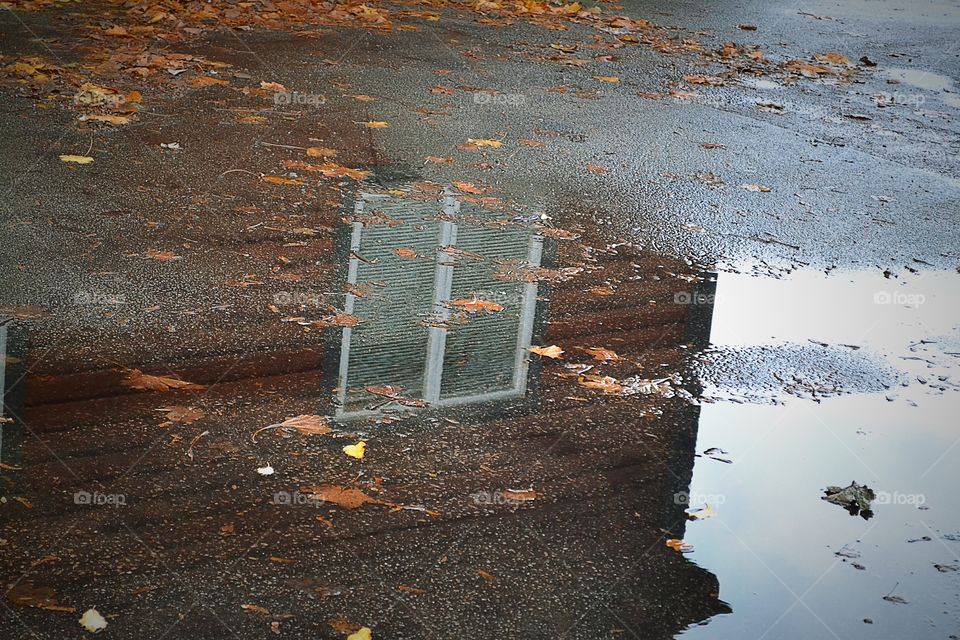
x=280, y=180
x=304, y=425
x=601, y=383
x=597, y=169
x=474, y=305
x=321, y=152
x=140, y=381
x=552, y=351
x=406, y=254
x=163, y=256
x=182, y=415
x=520, y=495
x=340, y=496
x=486, y=575
x=252, y=608
x=437, y=160
x=467, y=187
x=603, y=355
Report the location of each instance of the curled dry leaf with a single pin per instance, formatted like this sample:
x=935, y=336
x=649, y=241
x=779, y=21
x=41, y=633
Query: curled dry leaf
x=679, y=545
x=606, y=384
x=553, y=351
x=596, y=169
x=141, y=381
x=609, y=79
x=376, y=124
x=833, y=58
x=276, y=87
x=756, y=188
x=305, y=425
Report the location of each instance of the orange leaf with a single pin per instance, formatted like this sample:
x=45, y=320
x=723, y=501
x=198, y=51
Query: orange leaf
x=279, y=180
x=140, y=381
x=473, y=305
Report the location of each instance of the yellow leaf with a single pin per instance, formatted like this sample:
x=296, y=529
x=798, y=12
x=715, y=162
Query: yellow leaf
x=679, y=545
x=364, y=98
x=552, y=351
x=610, y=79
x=356, y=450
x=77, y=159
x=482, y=142
x=377, y=124
x=363, y=634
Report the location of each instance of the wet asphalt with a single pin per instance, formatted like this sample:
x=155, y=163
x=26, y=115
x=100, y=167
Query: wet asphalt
x=877, y=194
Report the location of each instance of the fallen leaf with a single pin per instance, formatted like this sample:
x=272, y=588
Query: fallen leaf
x=109, y=119
x=597, y=169
x=679, y=545
x=552, y=351
x=280, y=180
x=162, y=256
x=602, y=290
x=473, y=305
x=610, y=79
x=467, y=187
x=140, y=381
x=364, y=633
x=28, y=595
x=483, y=142
x=406, y=254
x=437, y=160
x=756, y=188
x=363, y=98
x=702, y=514
x=252, y=608
x=833, y=58
x=342, y=625
x=606, y=384
x=356, y=450
x=520, y=495
x=486, y=575
x=77, y=159
x=276, y=87
x=182, y=415
x=529, y=143
x=321, y=152
x=304, y=425
x=376, y=124
x=340, y=496
x=603, y=355
x=413, y=590
x=92, y=621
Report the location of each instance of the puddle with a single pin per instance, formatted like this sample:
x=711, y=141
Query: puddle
x=773, y=543
x=505, y=491
x=921, y=79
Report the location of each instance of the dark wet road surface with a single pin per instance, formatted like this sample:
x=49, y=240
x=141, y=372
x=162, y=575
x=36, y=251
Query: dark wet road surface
x=509, y=494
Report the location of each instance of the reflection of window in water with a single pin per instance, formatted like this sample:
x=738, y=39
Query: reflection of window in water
x=410, y=263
